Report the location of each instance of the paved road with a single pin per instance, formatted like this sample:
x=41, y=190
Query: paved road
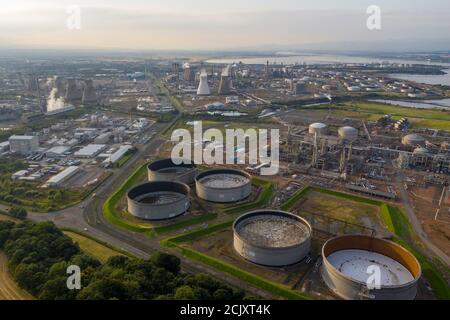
x=416, y=223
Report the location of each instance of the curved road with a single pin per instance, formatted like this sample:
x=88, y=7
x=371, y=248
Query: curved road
x=416, y=223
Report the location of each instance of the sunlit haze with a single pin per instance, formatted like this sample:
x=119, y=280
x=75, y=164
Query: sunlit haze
x=231, y=24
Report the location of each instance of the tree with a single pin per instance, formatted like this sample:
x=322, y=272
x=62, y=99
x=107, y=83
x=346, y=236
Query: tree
x=166, y=261
x=184, y=293
x=18, y=212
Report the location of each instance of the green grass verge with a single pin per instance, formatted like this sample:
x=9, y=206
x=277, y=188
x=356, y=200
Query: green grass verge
x=294, y=199
x=100, y=242
x=274, y=288
x=190, y=236
x=263, y=198
x=185, y=223
x=109, y=207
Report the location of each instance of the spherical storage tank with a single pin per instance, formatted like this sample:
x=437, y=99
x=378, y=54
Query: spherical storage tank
x=158, y=200
x=349, y=261
x=223, y=185
x=271, y=237
x=413, y=140
x=348, y=133
x=318, y=128
x=167, y=170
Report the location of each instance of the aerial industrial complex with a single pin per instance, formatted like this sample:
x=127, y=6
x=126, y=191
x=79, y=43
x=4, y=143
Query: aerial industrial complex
x=362, y=182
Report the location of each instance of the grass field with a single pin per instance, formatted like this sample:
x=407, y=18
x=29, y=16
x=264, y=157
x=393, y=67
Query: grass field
x=267, y=190
x=4, y=217
x=419, y=118
x=9, y=290
x=92, y=247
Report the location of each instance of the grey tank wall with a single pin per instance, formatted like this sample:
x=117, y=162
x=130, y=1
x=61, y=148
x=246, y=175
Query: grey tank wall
x=349, y=289
x=186, y=177
x=158, y=212
x=163, y=211
x=223, y=195
x=275, y=257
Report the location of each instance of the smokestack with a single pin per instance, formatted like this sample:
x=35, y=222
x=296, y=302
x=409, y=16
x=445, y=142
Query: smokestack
x=89, y=94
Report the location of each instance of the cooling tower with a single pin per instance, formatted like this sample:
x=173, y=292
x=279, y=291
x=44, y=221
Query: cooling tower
x=73, y=93
x=225, y=82
x=203, y=88
x=89, y=95
x=59, y=85
x=188, y=73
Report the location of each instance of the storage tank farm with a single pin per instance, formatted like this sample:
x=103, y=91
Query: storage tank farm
x=166, y=169
x=272, y=238
x=223, y=185
x=158, y=200
x=346, y=263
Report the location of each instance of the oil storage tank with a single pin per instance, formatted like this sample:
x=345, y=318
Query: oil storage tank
x=167, y=170
x=158, y=200
x=223, y=185
x=351, y=262
x=272, y=237
x=317, y=127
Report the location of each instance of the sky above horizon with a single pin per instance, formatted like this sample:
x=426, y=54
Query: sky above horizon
x=225, y=24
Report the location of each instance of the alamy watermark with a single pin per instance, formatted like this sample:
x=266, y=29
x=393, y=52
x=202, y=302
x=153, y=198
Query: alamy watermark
x=73, y=21
x=208, y=147
x=74, y=278
x=374, y=20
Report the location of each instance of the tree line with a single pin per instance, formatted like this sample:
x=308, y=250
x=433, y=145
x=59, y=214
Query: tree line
x=39, y=255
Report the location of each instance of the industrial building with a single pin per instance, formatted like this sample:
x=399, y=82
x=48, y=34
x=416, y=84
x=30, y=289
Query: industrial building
x=158, y=200
x=56, y=180
x=90, y=151
x=167, y=170
x=346, y=260
x=24, y=145
x=272, y=238
x=223, y=185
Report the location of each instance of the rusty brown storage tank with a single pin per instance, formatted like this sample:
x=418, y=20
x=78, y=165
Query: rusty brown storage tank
x=351, y=262
x=272, y=237
x=223, y=185
x=167, y=170
x=158, y=200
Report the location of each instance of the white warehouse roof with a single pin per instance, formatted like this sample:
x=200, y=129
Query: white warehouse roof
x=90, y=150
x=66, y=173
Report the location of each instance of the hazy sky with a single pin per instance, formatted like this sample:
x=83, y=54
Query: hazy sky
x=226, y=24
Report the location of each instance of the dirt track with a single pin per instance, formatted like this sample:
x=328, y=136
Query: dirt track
x=9, y=290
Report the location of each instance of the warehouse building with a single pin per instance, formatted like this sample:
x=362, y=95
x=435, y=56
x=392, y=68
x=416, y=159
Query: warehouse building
x=59, y=178
x=23, y=145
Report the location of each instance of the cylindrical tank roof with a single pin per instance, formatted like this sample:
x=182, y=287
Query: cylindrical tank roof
x=413, y=140
x=348, y=133
x=317, y=127
x=346, y=260
x=420, y=150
